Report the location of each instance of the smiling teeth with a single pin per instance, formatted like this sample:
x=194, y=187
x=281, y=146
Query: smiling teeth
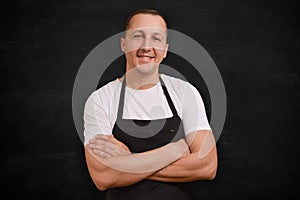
x=146, y=58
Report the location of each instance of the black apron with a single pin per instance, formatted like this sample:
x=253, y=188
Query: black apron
x=148, y=137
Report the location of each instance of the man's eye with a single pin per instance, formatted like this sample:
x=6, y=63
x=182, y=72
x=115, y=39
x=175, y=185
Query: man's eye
x=137, y=36
x=157, y=39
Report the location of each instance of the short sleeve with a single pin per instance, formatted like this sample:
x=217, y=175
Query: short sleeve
x=95, y=117
x=193, y=110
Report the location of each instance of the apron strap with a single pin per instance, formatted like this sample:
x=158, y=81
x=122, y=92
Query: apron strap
x=170, y=102
x=122, y=97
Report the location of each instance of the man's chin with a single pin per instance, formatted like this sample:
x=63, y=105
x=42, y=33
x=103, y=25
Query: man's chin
x=147, y=68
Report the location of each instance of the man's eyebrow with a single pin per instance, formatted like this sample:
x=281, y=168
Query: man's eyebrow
x=157, y=33
x=162, y=35
x=142, y=32
x=137, y=31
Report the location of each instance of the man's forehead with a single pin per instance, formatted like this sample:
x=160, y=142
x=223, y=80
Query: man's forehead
x=146, y=20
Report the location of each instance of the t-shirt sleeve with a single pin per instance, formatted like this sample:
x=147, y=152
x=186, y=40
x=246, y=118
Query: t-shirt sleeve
x=95, y=117
x=193, y=110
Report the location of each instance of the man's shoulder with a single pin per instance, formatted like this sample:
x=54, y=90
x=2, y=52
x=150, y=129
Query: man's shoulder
x=105, y=92
x=112, y=85
x=174, y=81
x=178, y=85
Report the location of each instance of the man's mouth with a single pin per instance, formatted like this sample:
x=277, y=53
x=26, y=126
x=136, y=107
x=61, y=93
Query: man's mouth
x=146, y=58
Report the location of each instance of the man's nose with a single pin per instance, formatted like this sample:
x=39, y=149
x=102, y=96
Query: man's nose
x=146, y=45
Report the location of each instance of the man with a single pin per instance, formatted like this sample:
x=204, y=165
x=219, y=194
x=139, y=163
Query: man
x=134, y=142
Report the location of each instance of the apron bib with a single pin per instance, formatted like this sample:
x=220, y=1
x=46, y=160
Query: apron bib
x=144, y=135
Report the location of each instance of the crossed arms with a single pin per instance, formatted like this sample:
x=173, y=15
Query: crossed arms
x=111, y=164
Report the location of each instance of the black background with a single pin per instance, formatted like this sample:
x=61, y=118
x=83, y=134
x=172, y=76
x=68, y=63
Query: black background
x=255, y=45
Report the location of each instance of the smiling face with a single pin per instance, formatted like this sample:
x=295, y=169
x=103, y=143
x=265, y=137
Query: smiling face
x=145, y=44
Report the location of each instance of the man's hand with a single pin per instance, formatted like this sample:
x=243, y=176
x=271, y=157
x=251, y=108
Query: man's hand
x=107, y=146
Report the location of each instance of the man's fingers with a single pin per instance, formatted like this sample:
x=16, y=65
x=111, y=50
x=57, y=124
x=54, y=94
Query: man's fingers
x=105, y=150
x=104, y=146
x=108, y=138
x=101, y=153
x=124, y=147
x=120, y=144
x=109, y=145
x=112, y=149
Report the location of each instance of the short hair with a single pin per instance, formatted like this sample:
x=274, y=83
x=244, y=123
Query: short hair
x=144, y=11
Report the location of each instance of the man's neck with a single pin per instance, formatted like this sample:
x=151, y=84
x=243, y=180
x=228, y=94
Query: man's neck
x=140, y=81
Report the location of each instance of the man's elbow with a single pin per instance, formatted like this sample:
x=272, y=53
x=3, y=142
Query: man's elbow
x=101, y=183
x=212, y=170
x=207, y=172
x=100, y=174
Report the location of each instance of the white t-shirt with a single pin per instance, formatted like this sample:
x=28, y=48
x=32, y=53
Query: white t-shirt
x=101, y=108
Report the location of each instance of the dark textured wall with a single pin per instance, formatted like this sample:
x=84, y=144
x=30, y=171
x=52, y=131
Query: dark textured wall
x=255, y=45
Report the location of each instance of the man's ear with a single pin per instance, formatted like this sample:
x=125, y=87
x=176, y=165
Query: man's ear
x=122, y=43
x=166, y=50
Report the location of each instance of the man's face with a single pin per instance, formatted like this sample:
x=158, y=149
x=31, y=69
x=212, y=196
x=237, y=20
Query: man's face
x=145, y=44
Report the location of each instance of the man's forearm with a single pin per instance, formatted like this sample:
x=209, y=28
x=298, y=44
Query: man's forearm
x=189, y=168
x=127, y=170
x=148, y=161
x=105, y=177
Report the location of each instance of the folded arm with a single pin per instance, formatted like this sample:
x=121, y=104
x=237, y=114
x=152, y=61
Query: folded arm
x=201, y=164
x=118, y=171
